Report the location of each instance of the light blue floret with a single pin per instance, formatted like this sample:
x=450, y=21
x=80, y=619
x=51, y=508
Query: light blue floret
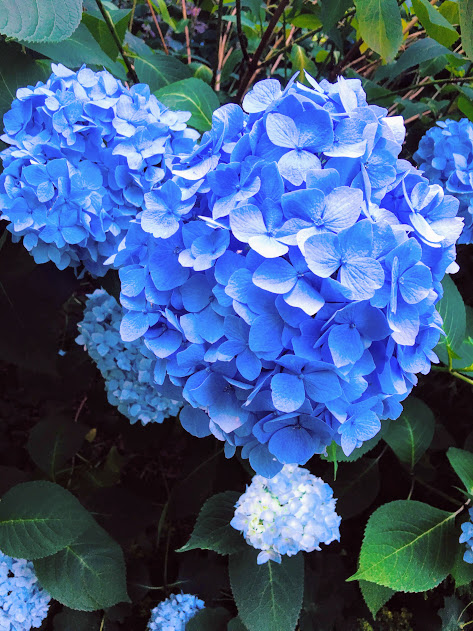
x=84, y=150
x=173, y=613
x=467, y=538
x=445, y=155
x=23, y=602
x=127, y=367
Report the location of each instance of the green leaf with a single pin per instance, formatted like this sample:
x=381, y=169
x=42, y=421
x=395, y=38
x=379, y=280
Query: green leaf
x=80, y=48
x=463, y=361
x=212, y=530
x=301, y=62
x=96, y=24
x=332, y=11
x=69, y=620
x=375, y=596
x=380, y=25
x=268, y=596
x=411, y=434
x=451, y=614
x=209, y=620
x=462, y=572
x=40, y=20
x=462, y=463
x=408, y=546
x=191, y=95
x=236, y=625
x=201, y=71
x=452, y=310
x=356, y=486
x=306, y=20
x=88, y=574
x=434, y=23
x=335, y=452
x=465, y=106
x=53, y=442
x=466, y=26
x=417, y=53
x=38, y=519
x=449, y=10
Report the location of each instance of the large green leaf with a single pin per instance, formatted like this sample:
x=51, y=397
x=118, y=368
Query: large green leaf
x=375, y=596
x=80, y=48
x=53, y=442
x=97, y=25
x=411, y=434
x=462, y=572
x=466, y=26
x=380, y=25
x=452, y=310
x=212, y=530
x=192, y=95
x=40, y=20
x=268, y=596
x=209, y=620
x=408, y=546
x=88, y=574
x=154, y=67
x=438, y=27
x=331, y=11
x=423, y=50
x=38, y=519
x=462, y=463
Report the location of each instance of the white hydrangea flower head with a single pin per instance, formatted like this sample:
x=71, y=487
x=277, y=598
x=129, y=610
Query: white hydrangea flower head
x=290, y=512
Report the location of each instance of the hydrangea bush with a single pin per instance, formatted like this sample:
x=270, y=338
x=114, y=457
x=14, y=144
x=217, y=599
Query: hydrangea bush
x=445, y=155
x=286, y=277
x=173, y=613
x=84, y=150
x=127, y=367
x=24, y=603
x=293, y=511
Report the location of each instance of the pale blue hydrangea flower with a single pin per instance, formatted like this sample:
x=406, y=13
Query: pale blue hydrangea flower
x=127, y=367
x=23, y=602
x=175, y=612
x=445, y=154
x=290, y=512
x=467, y=537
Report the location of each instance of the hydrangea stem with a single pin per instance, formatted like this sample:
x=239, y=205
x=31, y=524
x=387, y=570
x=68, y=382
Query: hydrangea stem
x=113, y=32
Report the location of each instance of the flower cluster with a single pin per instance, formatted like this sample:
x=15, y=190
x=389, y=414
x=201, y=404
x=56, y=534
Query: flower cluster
x=467, y=537
x=127, y=367
x=173, y=613
x=293, y=511
x=445, y=155
x=23, y=603
x=84, y=151
x=286, y=276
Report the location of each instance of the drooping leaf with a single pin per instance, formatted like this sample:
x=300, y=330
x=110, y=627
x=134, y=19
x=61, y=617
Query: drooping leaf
x=209, y=619
x=80, y=48
x=411, y=434
x=408, y=546
x=53, y=442
x=452, y=310
x=191, y=95
x=436, y=26
x=462, y=463
x=375, y=596
x=356, y=486
x=380, y=25
x=268, y=596
x=40, y=20
x=38, y=519
x=466, y=26
x=212, y=530
x=88, y=574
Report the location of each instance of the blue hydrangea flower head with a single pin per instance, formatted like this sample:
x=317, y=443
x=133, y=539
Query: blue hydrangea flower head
x=467, y=538
x=286, y=276
x=445, y=155
x=293, y=511
x=24, y=603
x=127, y=367
x=174, y=613
x=84, y=151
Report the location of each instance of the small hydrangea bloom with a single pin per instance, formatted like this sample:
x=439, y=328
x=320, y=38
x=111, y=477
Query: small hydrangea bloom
x=127, y=367
x=84, y=151
x=292, y=511
x=467, y=538
x=445, y=155
x=175, y=612
x=24, y=603
x=290, y=288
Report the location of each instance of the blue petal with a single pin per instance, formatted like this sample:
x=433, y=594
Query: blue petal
x=287, y=392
